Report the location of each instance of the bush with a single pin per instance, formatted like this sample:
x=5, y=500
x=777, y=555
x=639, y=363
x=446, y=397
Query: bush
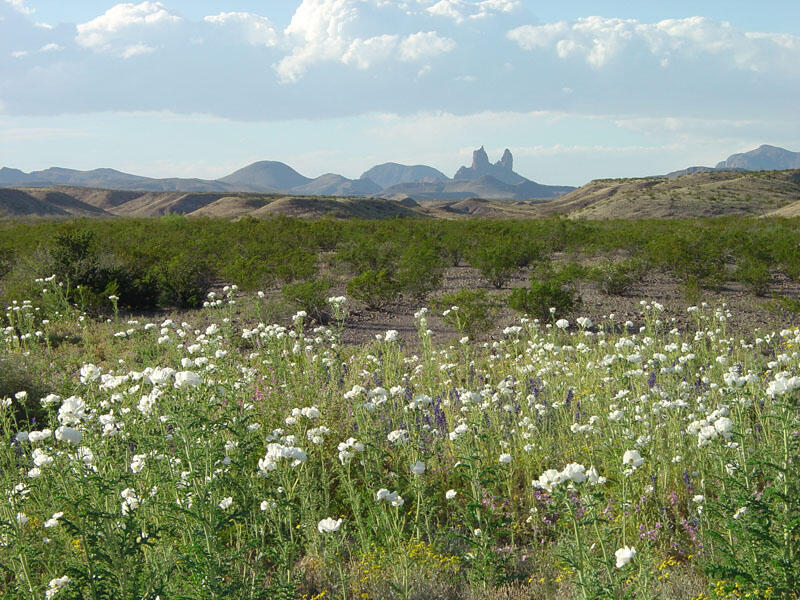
x=476, y=313
x=310, y=296
x=498, y=260
x=755, y=275
x=617, y=278
x=17, y=376
x=183, y=282
x=537, y=299
x=376, y=289
x=420, y=270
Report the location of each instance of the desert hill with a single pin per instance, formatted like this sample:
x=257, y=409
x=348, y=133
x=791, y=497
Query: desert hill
x=703, y=194
x=389, y=174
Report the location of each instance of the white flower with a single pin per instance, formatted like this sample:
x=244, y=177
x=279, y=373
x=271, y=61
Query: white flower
x=384, y=495
x=594, y=477
x=186, y=379
x=504, y=459
x=398, y=436
x=138, y=462
x=625, y=555
x=68, y=434
x=450, y=494
x=72, y=411
x=22, y=518
x=632, y=458
x=41, y=458
x=575, y=472
x=225, y=504
x=418, y=468
x=55, y=585
x=562, y=324
x=391, y=335
x=329, y=525
x=53, y=521
x=90, y=373
x=584, y=322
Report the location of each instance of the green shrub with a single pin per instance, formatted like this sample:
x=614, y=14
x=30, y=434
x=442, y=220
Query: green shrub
x=755, y=275
x=376, y=289
x=420, y=270
x=498, y=259
x=183, y=282
x=537, y=299
x=310, y=296
x=617, y=278
x=476, y=312
x=291, y=265
x=18, y=376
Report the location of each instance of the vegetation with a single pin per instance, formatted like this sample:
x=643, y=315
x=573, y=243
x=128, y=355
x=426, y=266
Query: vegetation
x=174, y=261
x=226, y=458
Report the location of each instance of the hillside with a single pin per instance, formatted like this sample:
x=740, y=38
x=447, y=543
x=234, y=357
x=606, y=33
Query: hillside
x=389, y=174
x=704, y=194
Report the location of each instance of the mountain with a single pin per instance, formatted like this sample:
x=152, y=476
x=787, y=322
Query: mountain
x=389, y=174
x=502, y=170
x=331, y=184
x=485, y=186
x=763, y=158
x=494, y=181
x=106, y=179
x=265, y=176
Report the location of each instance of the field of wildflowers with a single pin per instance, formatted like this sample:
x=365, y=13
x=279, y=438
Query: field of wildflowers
x=569, y=459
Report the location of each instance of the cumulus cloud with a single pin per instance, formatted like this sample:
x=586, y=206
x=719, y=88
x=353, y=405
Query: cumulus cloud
x=340, y=31
x=462, y=10
x=120, y=29
x=254, y=29
x=19, y=6
x=600, y=42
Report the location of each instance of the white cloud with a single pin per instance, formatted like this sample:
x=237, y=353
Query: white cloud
x=51, y=47
x=136, y=50
x=461, y=10
x=602, y=41
x=423, y=45
x=117, y=29
x=19, y=6
x=254, y=29
x=339, y=31
x=20, y=53
x=365, y=53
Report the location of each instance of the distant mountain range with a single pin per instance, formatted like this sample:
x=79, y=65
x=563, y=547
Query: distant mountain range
x=389, y=180
x=763, y=158
x=482, y=179
x=723, y=193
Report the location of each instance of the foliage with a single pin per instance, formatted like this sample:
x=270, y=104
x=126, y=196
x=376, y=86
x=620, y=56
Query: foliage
x=757, y=498
x=617, y=278
x=419, y=270
x=375, y=289
x=310, y=296
x=552, y=292
x=469, y=311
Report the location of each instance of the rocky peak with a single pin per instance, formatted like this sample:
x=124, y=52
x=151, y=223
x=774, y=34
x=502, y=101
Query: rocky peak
x=506, y=161
x=480, y=160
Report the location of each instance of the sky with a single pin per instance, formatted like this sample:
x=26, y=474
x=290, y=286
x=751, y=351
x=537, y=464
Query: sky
x=576, y=90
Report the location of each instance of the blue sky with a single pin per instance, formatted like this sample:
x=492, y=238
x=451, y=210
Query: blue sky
x=577, y=90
